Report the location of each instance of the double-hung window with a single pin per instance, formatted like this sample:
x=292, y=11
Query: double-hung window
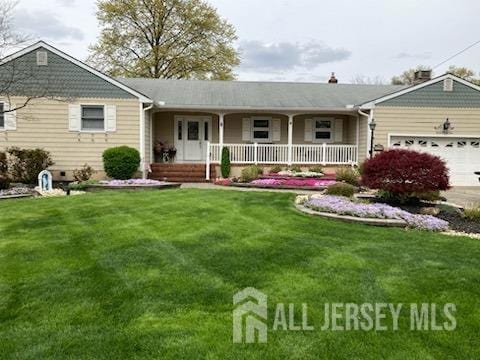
x=323, y=130
x=2, y=116
x=261, y=130
x=93, y=118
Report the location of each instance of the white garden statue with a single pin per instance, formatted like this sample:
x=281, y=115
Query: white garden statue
x=45, y=181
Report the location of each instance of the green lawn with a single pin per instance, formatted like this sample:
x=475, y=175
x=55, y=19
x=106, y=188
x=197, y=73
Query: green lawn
x=152, y=274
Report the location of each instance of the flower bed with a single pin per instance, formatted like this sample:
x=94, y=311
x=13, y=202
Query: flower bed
x=136, y=182
x=294, y=182
x=301, y=174
x=131, y=184
x=344, y=206
x=16, y=192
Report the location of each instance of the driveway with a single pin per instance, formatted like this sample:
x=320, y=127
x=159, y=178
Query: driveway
x=463, y=196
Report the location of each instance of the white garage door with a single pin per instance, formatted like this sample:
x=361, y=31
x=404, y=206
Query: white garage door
x=461, y=154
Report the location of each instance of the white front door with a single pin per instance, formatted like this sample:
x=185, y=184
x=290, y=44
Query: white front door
x=195, y=132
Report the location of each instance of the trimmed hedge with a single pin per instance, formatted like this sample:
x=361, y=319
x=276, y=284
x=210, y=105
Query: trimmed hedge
x=121, y=163
x=225, y=166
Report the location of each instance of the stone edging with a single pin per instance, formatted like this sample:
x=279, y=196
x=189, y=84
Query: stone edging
x=347, y=218
x=94, y=187
x=19, y=196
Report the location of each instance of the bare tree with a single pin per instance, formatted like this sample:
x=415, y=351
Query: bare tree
x=8, y=37
x=360, y=79
x=18, y=77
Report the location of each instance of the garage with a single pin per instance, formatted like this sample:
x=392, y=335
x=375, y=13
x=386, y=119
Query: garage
x=462, y=154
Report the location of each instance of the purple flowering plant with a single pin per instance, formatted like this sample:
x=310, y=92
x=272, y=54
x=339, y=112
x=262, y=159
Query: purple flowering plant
x=344, y=206
x=133, y=182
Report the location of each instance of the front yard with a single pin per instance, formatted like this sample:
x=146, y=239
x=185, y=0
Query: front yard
x=151, y=274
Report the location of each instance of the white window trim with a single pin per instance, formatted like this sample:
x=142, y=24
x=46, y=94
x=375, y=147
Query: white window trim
x=331, y=130
x=270, y=130
x=88, y=131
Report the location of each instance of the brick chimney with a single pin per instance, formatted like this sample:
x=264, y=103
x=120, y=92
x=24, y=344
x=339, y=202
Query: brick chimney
x=333, y=79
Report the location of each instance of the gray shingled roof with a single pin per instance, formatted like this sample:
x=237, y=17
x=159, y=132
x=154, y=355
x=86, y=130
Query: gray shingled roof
x=260, y=95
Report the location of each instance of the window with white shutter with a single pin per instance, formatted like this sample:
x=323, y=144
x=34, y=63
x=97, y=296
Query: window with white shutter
x=93, y=118
x=323, y=129
x=261, y=129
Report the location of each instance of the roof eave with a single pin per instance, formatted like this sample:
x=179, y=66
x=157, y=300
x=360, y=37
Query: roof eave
x=287, y=110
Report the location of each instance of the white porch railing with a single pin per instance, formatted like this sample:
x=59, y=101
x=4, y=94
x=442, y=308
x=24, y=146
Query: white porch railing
x=324, y=154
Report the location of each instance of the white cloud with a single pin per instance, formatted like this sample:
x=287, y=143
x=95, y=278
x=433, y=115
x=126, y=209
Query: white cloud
x=405, y=55
x=45, y=24
x=285, y=56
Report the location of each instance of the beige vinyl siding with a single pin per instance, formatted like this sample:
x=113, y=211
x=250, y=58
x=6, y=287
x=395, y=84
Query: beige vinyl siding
x=409, y=120
x=44, y=124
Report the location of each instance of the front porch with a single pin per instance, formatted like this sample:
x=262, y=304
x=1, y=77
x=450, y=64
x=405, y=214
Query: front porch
x=259, y=138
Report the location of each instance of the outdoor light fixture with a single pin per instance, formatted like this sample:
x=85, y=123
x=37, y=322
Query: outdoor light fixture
x=372, y=127
x=446, y=127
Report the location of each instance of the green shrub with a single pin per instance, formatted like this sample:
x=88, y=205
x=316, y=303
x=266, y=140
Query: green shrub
x=295, y=168
x=341, y=189
x=24, y=165
x=251, y=173
x=81, y=185
x=225, y=165
x=121, y=163
x=316, y=169
x=473, y=212
x=348, y=175
x=275, y=170
x=83, y=174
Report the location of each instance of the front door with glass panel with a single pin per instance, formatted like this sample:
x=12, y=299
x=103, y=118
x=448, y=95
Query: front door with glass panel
x=195, y=134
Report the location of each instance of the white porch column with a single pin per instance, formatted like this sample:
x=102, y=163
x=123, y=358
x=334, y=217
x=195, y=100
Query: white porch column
x=290, y=138
x=221, y=126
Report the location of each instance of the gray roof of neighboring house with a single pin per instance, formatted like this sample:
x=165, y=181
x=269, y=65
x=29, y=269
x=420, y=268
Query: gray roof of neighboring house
x=461, y=96
x=256, y=95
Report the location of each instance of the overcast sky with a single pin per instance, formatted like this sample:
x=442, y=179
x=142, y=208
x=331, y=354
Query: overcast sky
x=303, y=40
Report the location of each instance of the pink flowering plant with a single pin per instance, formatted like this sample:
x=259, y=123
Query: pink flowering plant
x=344, y=206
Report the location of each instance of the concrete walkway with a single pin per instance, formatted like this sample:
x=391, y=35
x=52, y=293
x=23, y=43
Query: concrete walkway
x=218, y=187
x=463, y=196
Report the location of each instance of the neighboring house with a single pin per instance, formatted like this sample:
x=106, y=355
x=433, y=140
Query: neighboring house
x=260, y=122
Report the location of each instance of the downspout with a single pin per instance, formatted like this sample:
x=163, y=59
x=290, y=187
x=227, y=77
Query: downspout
x=143, y=113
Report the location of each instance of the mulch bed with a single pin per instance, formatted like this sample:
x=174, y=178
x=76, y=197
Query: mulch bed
x=460, y=223
x=448, y=213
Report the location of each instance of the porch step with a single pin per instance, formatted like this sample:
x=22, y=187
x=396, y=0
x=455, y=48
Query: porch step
x=180, y=172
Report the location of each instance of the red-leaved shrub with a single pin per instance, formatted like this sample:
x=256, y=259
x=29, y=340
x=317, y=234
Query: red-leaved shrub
x=405, y=173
